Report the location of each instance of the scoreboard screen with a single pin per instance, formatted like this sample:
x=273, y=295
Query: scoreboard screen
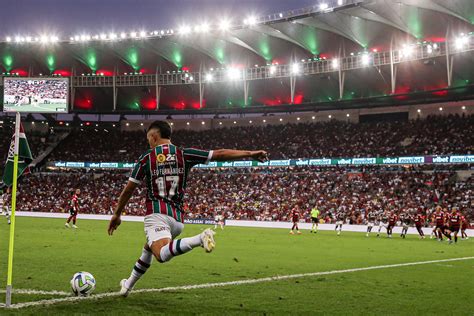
x=36, y=95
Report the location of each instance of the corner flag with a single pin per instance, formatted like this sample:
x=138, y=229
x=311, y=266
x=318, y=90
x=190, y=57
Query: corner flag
x=24, y=158
x=19, y=157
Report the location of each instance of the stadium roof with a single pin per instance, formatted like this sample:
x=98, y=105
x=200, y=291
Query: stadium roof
x=330, y=30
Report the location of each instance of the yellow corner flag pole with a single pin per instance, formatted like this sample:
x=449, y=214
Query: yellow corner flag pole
x=8, y=300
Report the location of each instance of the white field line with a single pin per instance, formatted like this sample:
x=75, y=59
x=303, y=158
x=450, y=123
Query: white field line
x=38, y=292
x=222, y=284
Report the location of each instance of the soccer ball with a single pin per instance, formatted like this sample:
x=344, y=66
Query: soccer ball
x=82, y=283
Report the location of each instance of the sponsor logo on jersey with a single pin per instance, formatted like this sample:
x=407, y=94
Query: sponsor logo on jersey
x=161, y=158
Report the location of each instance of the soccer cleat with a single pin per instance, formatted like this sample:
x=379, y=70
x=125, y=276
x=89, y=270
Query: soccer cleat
x=9, y=222
x=207, y=240
x=298, y=232
x=450, y=242
x=124, y=291
x=338, y=233
x=74, y=226
x=367, y=235
x=67, y=225
x=291, y=232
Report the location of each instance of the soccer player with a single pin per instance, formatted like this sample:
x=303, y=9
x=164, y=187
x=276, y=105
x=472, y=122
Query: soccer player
x=439, y=218
x=339, y=221
x=454, y=225
x=4, y=204
x=73, y=208
x=314, y=219
x=370, y=222
x=406, y=221
x=392, y=220
x=219, y=219
x=295, y=218
x=419, y=221
x=464, y=226
x=383, y=220
x=165, y=168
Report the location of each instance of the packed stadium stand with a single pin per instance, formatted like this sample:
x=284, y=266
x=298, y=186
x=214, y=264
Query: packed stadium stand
x=435, y=135
x=267, y=194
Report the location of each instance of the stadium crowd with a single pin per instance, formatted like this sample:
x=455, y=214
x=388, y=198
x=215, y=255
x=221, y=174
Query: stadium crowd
x=440, y=135
x=265, y=194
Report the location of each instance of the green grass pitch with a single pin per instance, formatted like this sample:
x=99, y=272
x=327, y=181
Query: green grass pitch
x=39, y=108
x=47, y=255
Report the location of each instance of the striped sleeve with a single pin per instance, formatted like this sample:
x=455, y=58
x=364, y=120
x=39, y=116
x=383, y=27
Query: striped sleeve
x=138, y=172
x=195, y=156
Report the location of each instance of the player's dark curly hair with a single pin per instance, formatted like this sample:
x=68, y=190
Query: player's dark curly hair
x=164, y=128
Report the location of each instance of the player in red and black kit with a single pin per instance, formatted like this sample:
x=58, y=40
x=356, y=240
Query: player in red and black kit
x=419, y=220
x=295, y=217
x=454, y=225
x=73, y=208
x=439, y=218
x=392, y=220
x=464, y=226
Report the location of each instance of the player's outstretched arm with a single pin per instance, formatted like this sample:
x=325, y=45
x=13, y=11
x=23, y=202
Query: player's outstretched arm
x=231, y=154
x=126, y=194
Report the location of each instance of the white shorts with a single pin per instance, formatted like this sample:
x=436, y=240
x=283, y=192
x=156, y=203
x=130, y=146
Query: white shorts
x=339, y=222
x=370, y=224
x=160, y=226
x=384, y=225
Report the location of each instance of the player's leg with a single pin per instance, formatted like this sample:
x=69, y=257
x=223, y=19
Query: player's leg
x=161, y=231
x=297, y=229
x=456, y=235
x=222, y=225
x=433, y=233
x=74, y=218
x=139, y=269
x=447, y=233
x=293, y=228
x=69, y=218
x=7, y=215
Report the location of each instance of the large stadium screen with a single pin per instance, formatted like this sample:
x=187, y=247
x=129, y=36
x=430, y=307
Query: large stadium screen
x=36, y=95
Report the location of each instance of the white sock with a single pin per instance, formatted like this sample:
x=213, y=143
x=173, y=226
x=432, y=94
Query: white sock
x=142, y=264
x=179, y=247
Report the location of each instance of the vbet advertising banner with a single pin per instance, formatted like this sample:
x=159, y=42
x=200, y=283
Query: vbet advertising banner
x=409, y=160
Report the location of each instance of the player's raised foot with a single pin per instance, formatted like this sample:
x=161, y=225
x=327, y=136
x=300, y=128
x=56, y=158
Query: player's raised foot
x=74, y=226
x=207, y=240
x=124, y=291
x=66, y=225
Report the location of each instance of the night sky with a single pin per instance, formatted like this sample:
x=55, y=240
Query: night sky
x=70, y=17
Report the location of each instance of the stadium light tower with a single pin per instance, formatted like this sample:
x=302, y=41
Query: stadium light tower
x=273, y=69
x=461, y=42
x=184, y=30
x=365, y=59
x=224, y=25
x=407, y=51
x=251, y=20
x=295, y=68
x=233, y=73
x=208, y=77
